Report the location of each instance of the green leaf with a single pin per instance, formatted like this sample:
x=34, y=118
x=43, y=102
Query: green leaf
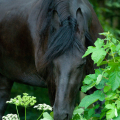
x=89, y=50
x=98, y=52
x=47, y=116
x=76, y=117
x=107, y=88
x=78, y=110
x=99, y=78
x=101, y=84
x=52, y=114
x=89, y=78
x=114, y=40
x=112, y=112
x=98, y=55
x=89, y=99
x=114, y=79
x=103, y=113
x=111, y=95
x=113, y=47
x=117, y=91
x=118, y=47
x=99, y=43
x=110, y=106
x=117, y=118
x=91, y=112
x=85, y=88
x=118, y=104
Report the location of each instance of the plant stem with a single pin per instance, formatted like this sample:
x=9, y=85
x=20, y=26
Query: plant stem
x=25, y=113
x=40, y=115
x=17, y=112
x=112, y=51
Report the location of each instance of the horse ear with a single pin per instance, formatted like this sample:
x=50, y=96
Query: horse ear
x=83, y=27
x=80, y=19
x=80, y=23
x=55, y=20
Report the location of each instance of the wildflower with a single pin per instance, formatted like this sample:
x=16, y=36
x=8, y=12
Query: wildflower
x=24, y=101
x=43, y=107
x=10, y=117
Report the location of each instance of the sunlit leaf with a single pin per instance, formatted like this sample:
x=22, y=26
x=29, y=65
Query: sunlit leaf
x=89, y=99
x=47, y=116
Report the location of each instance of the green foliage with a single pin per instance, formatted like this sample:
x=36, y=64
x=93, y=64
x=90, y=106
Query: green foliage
x=107, y=78
x=27, y=101
x=89, y=99
x=108, y=15
x=41, y=95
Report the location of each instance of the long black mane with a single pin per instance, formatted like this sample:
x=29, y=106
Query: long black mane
x=65, y=38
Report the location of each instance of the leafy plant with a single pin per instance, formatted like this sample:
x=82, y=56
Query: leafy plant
x=27, y=101
x=44, y=107
x=106, y=80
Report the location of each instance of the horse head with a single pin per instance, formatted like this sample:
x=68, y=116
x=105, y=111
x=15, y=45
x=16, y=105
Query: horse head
x=68, y=35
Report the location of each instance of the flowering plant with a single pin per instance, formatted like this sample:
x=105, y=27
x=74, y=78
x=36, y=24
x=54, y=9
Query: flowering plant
x=10, y=117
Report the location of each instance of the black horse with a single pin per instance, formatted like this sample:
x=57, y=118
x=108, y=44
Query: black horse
x=42, y=43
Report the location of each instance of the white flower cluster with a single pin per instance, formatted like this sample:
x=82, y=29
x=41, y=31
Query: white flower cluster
x=25, y=101
x=10, y=117
x=43, y=107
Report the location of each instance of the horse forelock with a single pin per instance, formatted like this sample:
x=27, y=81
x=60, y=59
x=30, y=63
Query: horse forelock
x=64, y=38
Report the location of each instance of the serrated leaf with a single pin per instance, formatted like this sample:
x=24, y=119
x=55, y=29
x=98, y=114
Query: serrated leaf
x=97, y=95
x=112, y=112
x=98, y=55
x=89, y=50
x=110, y=106
x=99, y=43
